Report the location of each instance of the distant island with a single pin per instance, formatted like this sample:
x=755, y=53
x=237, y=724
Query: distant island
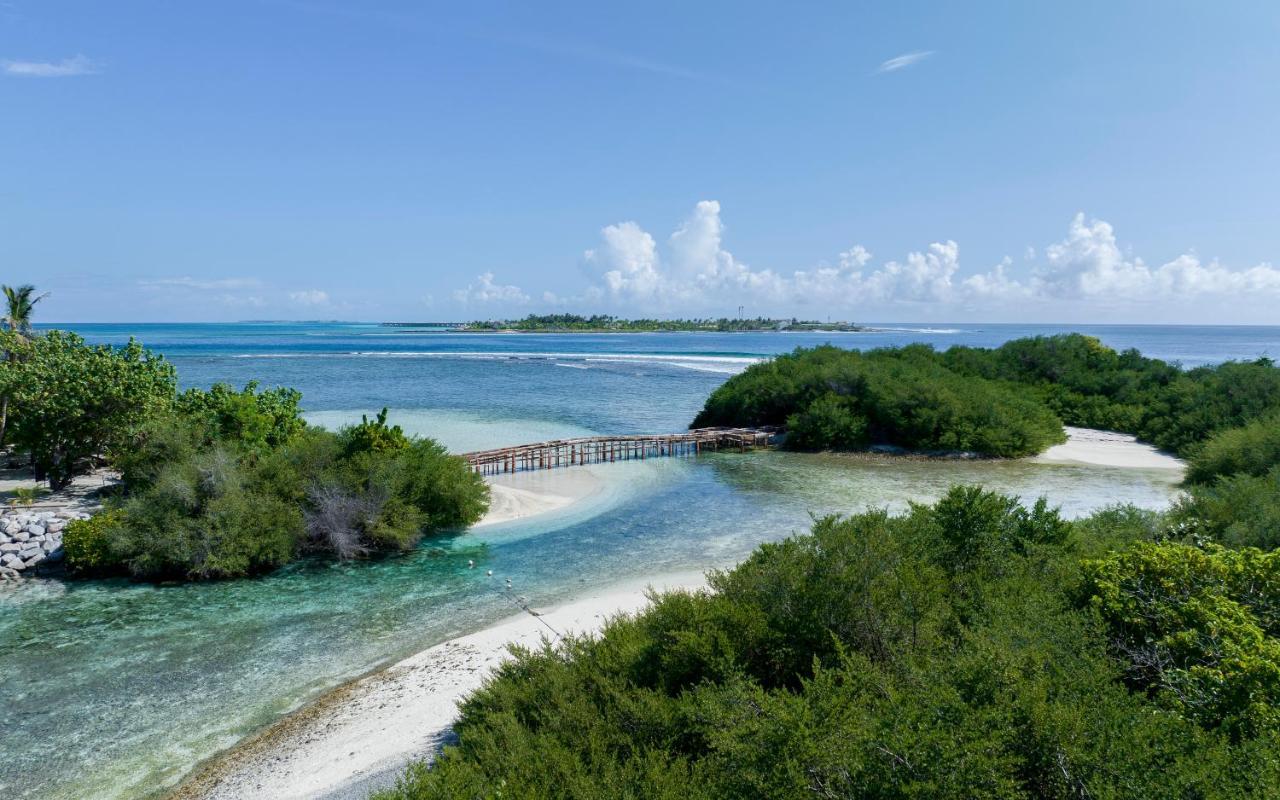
x=604, y=323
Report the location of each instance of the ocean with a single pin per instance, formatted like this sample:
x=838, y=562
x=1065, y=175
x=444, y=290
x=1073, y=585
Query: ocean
x=116, y=689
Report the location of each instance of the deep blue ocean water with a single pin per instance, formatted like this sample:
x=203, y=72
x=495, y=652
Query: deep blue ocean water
x=115, y=689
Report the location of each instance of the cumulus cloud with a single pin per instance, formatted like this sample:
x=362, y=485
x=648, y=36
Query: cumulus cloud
x=905, y=60
x=1089, y=263
x=691, y=271
x=66, y=68
x=485, y=290
x=309, y=297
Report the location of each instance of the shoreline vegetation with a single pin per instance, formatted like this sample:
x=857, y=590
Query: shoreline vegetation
x=604, y=323
x=977, y=646
x=1008, y=401
x=215, y=483
x=359, y=736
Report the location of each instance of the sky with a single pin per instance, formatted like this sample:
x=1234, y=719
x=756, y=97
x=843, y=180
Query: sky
x=916, y=162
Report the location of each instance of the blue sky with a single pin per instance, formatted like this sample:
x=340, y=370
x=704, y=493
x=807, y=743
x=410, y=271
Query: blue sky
x=1089, y=162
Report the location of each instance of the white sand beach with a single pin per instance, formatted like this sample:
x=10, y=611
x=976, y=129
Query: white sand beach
x=360, y=737
x=528, y=494
x=1107, y=449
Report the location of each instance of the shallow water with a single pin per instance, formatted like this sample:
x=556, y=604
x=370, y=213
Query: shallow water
x=114, y=689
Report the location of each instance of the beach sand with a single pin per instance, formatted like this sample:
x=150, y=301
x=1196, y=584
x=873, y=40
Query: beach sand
x=1107, y=449
x=527, y=494
x=360, y=737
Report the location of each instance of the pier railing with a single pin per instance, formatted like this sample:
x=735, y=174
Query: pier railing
x=605, y=449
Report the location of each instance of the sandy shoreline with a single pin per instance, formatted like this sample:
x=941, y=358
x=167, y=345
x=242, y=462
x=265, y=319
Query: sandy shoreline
x=1107, y=449
x=360, y=736
x=528, y=494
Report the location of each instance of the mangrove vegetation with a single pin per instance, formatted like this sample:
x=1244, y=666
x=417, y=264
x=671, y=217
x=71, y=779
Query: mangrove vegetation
x=1006, y=401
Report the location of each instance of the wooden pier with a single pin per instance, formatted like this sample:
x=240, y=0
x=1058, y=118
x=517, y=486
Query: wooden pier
x=607, y=449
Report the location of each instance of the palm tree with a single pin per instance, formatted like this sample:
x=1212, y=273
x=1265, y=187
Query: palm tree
x=21, y=302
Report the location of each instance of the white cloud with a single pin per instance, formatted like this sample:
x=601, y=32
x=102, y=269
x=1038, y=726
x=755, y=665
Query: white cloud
x=309, y=297
x=904, y=60
x=1090, y=264
x=484, y=290
x=1084, y=275
x=627, y=263
x=68, y=67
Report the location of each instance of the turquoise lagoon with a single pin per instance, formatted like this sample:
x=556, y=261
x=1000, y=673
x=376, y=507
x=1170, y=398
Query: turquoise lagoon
x=117, y=689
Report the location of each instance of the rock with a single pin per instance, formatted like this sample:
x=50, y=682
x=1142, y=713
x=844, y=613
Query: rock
x=11, y=547
x=35, y=530
x=49, y=545
x=21, y=536
x=8, y=574
x=35, y=559
x=54, y=527
x=4, y=538
x=11, y=561
x=30, y=551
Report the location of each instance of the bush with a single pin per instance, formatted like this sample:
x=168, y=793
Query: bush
x=845, y=663
x=202, y=519
x=373, y=437
x=228, y=485
x=251, y=418
x=87, y=543
x=1197, y=628
x=903, y=397
x=1236, y=511
x=1253, y=449
x=827, y=423
x=1004, y=401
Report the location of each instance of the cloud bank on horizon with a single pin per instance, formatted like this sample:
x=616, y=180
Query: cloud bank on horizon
x=1082, y=276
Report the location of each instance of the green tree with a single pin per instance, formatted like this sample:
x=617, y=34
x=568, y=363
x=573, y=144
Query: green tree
x=76, y=401
x=20, y=303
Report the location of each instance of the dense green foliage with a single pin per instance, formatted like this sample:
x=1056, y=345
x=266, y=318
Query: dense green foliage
x=550, y=323
x=1252, y=449
x=1198, y=628
x=1235, y=510
x=973, y=648
x=86, y=542
x=936, y=399
x=230, y=483
x=845, y=399
x=70, y=401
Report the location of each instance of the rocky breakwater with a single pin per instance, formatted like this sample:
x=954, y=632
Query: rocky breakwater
x=28, y=538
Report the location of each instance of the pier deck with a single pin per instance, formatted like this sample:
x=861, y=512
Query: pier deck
x=605, y=449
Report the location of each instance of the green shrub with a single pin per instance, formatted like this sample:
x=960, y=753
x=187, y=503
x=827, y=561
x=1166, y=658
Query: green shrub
x=1236, y=511
x=827, y=422
x=904, y=397
x=251, y=418
x=372, y=436
x=87, y=543
x=844, y=663
x=202, y=519
x=1004, y=401
x=1198, y=629
x=1252, y=449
